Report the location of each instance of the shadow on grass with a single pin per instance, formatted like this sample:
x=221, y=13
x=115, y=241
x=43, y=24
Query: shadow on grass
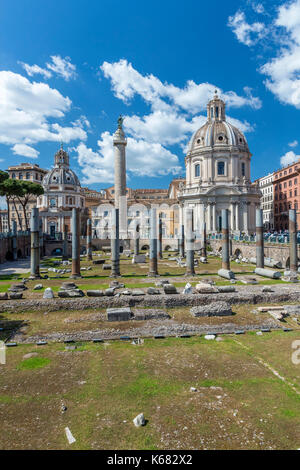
x=9, y=327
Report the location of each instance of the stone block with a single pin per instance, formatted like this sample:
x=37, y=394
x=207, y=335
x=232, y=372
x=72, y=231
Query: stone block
x=15, y=295
x=170, y=289
x=138, y=259
x=48, y=293
x=215, y=309
x=94, y=293
x=3, y=295
x=106, y=267
x=70, y=293
x=38, y=287
x=150, y=314
x=226, y=273
x=224, y=289
x=137, y=292
x=204, y=288
x=153, y=291
x=119, y=314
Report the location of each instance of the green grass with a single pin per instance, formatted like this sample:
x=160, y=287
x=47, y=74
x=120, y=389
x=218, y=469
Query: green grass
x=33, y=363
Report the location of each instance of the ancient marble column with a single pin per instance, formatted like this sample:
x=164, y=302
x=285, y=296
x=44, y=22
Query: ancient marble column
x=65, y=243
x=35, y=244
x=189, y=243
x=136, y=238
x=225, y=240
x=115, y=244
x=159, y=251
x=75, y=228
x=293, y=240
x=153, y=244
x=120, y=142
x=259, y=239
x=89, y=240
x=14, y=240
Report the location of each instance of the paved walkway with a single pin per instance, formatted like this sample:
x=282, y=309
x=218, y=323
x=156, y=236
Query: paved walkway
x=15, y=267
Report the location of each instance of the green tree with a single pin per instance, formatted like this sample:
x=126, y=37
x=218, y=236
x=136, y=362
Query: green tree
x=28, y=189
x=11, y=189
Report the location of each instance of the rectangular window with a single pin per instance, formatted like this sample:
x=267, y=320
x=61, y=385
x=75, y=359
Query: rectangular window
x=197, y=171
x=243, y=169
x=221, y=168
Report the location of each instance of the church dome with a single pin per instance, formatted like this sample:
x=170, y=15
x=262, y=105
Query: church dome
x=217, y=132
x=61, y=173
x=61, y=176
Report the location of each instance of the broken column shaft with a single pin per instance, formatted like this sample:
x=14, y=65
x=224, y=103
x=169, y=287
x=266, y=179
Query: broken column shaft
x=259, y=239
x=35, y=244
x=160, y=239
x=204, y=244
x=136, y=239
x=181, y=241
x=75, y=224
x=225, y=271
x=153, y=244
x=293, y=240
x=65, y=243
x=14, y=240
x=115, y=244
x=190, y=269
x=89, y=240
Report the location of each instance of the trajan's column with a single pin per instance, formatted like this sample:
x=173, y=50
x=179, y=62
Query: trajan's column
x=120, y=143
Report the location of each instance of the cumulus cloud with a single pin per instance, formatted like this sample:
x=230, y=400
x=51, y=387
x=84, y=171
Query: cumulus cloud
x=282, y=71
x=289, y=158
x=293, y=144
x=127, y=82
x=26, y=111
x=35, y=70
x=142, y=158
x=174, y=117
x=248, y=34
x=62, y=67
x=25, y=150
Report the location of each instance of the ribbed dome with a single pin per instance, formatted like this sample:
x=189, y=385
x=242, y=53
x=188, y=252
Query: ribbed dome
x=61, y=173
x=61, y=176
x=217, y=131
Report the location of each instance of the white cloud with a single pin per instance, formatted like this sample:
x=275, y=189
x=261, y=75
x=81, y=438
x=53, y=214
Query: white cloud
x=142, y=159
x=283, y=69
x=258, y=8
x=25, y=150
x=35, y=69
x=248, y=34
x=293, y=144
x=26, y=111
x=62, y=67
x=192, y=98
x=288, y=158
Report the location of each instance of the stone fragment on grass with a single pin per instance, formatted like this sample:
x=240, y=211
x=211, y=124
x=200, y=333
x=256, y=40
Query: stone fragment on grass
x=170, y=289
x=188, y=289
x=153, y=291
x=150, y=314
x=48, y=293
x=15, y=295
x=139, y=420
x=38, y=287
x=94, y=293
x=70, y=293
x=204, y=288
x=3, y=296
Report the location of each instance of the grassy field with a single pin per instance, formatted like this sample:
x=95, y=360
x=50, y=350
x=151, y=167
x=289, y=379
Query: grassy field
x=240, y=402
x=133, y=276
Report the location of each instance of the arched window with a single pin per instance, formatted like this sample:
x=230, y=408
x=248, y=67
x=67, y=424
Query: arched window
x=13, y=175
x=243, y=169
x=197, y=170
x=221, y=168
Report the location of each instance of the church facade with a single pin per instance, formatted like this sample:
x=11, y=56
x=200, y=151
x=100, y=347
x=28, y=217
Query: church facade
x=218, y=175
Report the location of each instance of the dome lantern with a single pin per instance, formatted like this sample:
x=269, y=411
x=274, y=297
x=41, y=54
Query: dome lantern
x=216, y=109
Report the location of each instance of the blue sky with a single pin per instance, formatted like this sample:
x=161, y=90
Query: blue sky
x=69, y=68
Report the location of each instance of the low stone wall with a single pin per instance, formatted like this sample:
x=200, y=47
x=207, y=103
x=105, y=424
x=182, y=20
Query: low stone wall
x=277, y=251
x=249, y=295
